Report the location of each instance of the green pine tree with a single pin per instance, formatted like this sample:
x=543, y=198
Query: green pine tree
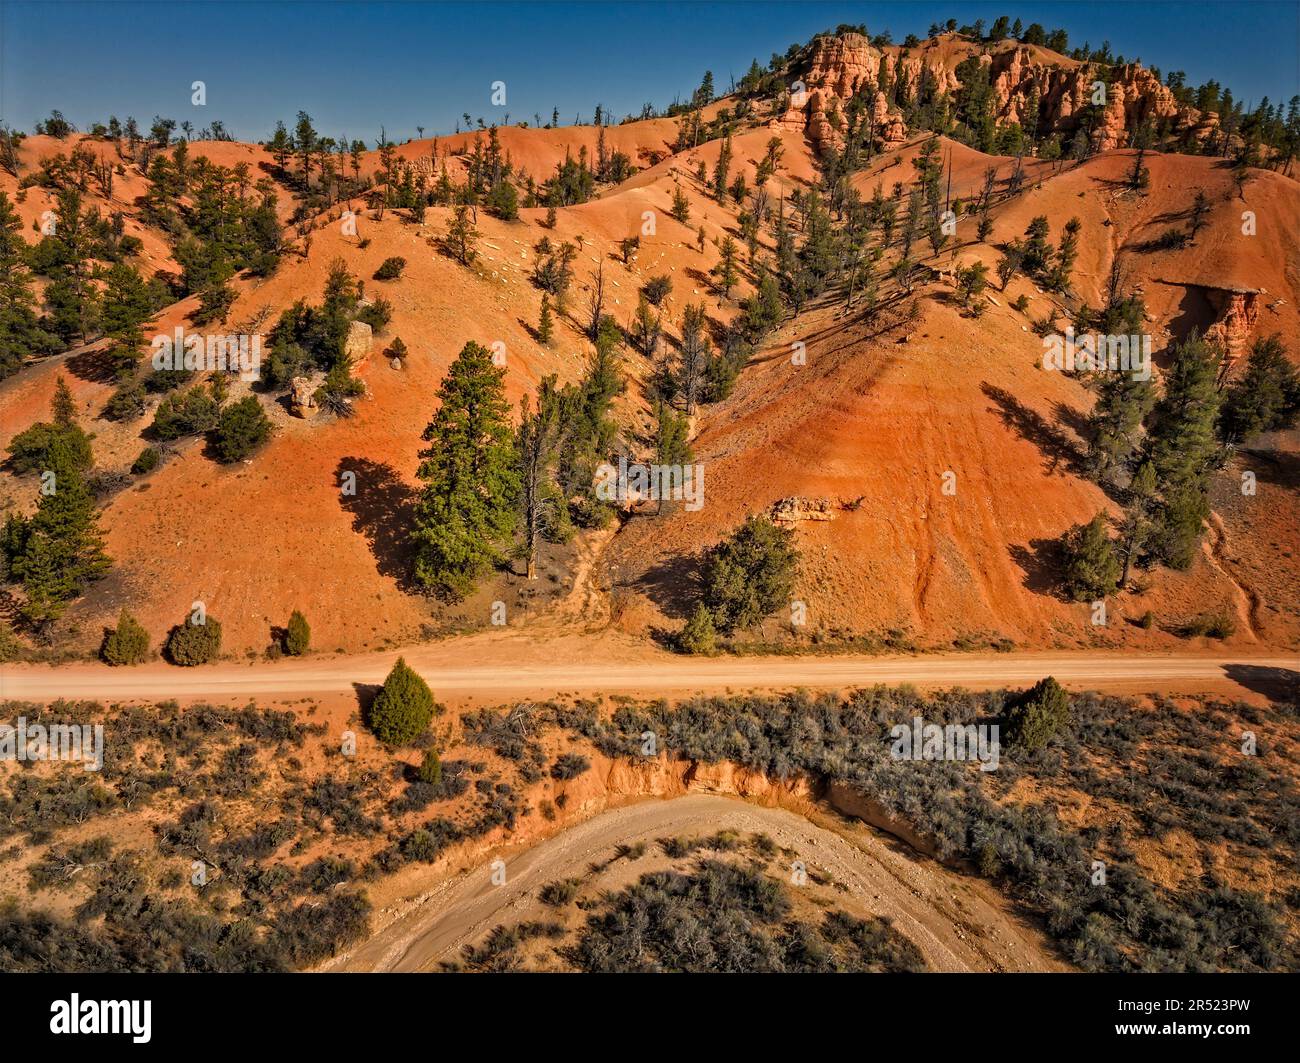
x=545, y=323
x=22, y=334
x=543, y=511
x=699, y=635
x=403, y=709
x=128, y=643
x=750, y=575
x=1122, y=406
x=1184, y=449
x=62, y=549
x=1091, y=569
x=297, y=636
x=467, y=509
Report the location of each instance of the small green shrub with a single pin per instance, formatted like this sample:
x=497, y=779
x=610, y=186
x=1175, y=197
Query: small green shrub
x=128, y=643
x=430, y=770
x=1038, y=714
x=569, y=766
x=242, y=428
x=297, y=636
x=190, y=644
x=391, y=269
x=376, y=314
x=558, y=894
x=699, y=635
x=10, y=648
x=145, y=462
x=1218, y=625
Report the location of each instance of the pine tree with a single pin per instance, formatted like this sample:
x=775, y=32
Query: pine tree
x=403, y=709
x=21, y=333
x=241, y=429
x=1010, y=262
x=1139, y=177
x=467, y=507
x=1067, y=251
x=297, y=636
x=430, y=770
x=1037, y=252
x=971, y=282
x=672, y=442
x=681, y=210
x=127, y=305
x=1200, y=210
x=646, y=327
x=461, y=240
x=722, y=169
x=1122, y=406
x=128, y=643
x=72, y=300
x=543, y=511
x=1091, y=570
x=545, y=323
x=596, y=303
x=694, y=355
x=1135, y=528
x=63, y=408
x=725, y=271
x=62, y=550
x=1183, y=448
x=699, y=636
x=1265, y=397
x=750, y=575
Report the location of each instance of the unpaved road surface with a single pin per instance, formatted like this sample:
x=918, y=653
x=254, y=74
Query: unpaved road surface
x=958, y=923
x=482, y=667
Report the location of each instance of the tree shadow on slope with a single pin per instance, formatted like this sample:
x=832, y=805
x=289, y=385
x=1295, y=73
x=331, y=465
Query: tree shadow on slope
x=674, y=585
x=1057, y=447
x=383, y=511
x=1042, y=562
x=94, y=365
x=1280, y=467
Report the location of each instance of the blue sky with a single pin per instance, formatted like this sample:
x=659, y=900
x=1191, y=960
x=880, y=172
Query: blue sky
x=355, y=66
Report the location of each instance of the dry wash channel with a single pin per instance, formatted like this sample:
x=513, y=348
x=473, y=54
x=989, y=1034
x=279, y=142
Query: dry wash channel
x=957, y=923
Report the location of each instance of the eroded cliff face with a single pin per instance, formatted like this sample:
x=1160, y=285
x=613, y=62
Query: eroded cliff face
x=1023, y=78
x=1237, y=311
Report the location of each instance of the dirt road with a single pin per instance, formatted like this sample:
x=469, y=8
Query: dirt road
x=484, y=667
x=933, y=907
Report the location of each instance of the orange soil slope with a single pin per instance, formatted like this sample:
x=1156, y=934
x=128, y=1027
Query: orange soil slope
x=877, y=416
x=868, y=418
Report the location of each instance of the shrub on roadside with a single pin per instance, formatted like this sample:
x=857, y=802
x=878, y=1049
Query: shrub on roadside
x=699, y=634
x=1037, y=715
x=190, y=644
x=297, y=636
x=402, y=711
x=128, y=643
